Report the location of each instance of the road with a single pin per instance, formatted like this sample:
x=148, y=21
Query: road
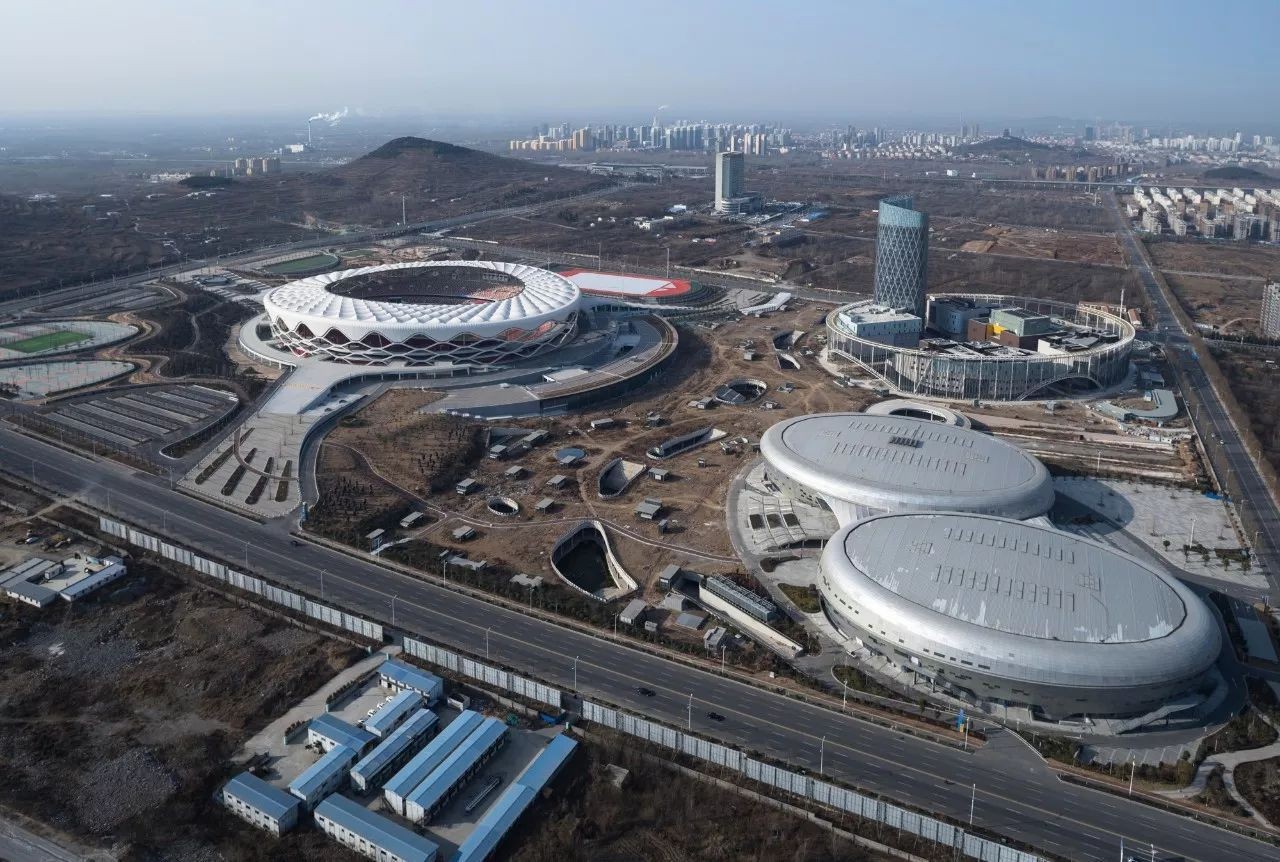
x=1235, y=466
x=1015, y=795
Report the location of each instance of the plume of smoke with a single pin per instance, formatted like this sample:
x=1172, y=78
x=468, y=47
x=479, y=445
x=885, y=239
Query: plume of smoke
x=332, y=119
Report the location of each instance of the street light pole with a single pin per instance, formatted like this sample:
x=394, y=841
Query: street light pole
x=322, y=583
x=575, y=673
x=393, y=609
x=690, y=710
x=822, y=756
x=973, y=798
x=486, y=641
x=1133, y=767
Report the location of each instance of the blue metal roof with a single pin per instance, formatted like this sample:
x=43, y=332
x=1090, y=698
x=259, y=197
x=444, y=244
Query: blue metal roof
x=271, y=801
x=403, y=737
x=548, y=762
x=377, y=830
x=389, y=713
x=314, y=776
x=447, y=774
x=425, y=761
x=408, y=676
x=497, y=821
x=341, y=732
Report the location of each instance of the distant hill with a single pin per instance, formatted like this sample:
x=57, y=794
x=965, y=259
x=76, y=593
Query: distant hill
x=437, y=180
x=1236, y=172
x=994, y=146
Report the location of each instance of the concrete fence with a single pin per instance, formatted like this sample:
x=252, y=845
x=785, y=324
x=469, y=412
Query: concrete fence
x=248, y=583
x=487, y=674
x=929, y=828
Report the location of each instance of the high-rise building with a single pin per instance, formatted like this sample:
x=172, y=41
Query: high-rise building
x=1271, y=310
x=731, y=174
x=902, y=255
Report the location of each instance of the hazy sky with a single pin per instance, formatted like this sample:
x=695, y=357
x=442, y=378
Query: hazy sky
x=1149, y=61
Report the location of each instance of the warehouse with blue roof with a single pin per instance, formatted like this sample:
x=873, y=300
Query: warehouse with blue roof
x=400, y=676
x=329, y=731
x=425, y=762
x=323, y=777
x=503, y=814
x=438, y=787
x=250, y=798
x=391, y=714
x=393, y=751
x=370, y=834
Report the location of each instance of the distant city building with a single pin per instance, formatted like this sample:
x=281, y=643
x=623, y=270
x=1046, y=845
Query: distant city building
x=902, y=256
x=1271, y=310
x=731, y=174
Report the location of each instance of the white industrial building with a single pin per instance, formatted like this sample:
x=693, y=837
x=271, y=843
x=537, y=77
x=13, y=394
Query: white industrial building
x=39, y=582
x=1011, y=612
x=250, y=798
x=325, y=776
x=857, y=465
x=372, y=835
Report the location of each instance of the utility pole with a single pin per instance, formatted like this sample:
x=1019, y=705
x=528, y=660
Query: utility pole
x=403, y=220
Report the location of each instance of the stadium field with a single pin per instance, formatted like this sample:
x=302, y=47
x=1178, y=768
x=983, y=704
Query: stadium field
x=47, y=341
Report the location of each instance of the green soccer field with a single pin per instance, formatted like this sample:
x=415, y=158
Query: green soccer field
x=48, y=341
x=302, y=264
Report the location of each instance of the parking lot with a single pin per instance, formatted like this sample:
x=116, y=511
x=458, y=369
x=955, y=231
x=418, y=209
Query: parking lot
x=131, y=417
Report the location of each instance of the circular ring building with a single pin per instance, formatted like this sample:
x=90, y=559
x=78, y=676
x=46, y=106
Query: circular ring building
x=1008, y=612
x=421, y=313
x=857, y=465
x=1021, y=347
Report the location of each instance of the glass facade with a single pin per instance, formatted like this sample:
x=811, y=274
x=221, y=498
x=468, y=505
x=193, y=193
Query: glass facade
x=902, y=255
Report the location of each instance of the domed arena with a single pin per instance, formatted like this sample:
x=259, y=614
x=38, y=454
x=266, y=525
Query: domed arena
x=426, y=313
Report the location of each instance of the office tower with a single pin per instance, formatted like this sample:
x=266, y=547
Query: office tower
x=902, y=255
x=1271, y=310
x=731, y=170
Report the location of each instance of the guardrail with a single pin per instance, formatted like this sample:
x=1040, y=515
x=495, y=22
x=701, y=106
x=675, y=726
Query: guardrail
x=248, y=583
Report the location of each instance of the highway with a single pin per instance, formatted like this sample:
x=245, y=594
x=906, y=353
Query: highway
x=1217, y=432
x=1013, y=794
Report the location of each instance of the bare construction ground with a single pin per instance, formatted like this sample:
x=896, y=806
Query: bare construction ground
x=388, y=448
x=1222, y=258
x=662, y=815
x=1232, y=305
x=122, y=710
x=1252, y=377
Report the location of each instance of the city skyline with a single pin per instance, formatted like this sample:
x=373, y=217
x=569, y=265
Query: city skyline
x=985, y=61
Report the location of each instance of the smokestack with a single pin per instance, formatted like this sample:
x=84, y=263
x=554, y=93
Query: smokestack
x=308, y=133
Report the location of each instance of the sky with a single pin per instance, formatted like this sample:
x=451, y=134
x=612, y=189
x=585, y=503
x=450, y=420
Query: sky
x=1174, y=61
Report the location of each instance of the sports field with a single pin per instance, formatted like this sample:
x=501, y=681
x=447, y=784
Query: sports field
x=47, y=341
x=310, y=263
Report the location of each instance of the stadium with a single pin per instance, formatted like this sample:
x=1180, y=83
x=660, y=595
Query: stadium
x=986, y=346
x=858, y=465
x=1008, y=612
x=423, y=313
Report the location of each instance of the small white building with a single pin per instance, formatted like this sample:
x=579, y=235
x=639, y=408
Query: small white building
x=250, y=798
x=325, y=776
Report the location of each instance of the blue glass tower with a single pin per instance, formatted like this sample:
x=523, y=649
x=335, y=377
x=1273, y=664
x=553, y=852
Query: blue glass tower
x=902, y=255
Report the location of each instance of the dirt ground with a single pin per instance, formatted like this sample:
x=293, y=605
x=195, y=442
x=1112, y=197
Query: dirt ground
x=978, y=237
x=693, y=497
x=1252, y=375
x=1259, y=783
x=120, y=712
x=661, y=815
x=1231, y=304
x=1216, y=257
